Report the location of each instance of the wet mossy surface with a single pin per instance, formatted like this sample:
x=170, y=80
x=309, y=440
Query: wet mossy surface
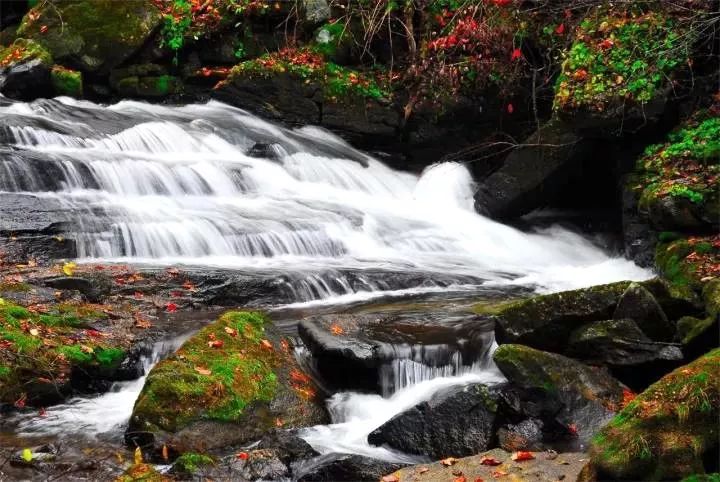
x=23, y=50
x=66, y=81
x=190, y=462
x=667, y=431
x=689, y=262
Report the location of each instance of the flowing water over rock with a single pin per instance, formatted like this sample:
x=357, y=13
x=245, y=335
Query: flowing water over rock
x=209, y=185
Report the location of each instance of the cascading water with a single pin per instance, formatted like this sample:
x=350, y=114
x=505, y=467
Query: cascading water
x=176, y=185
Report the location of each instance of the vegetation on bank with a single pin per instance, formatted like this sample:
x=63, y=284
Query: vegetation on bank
x=41, y=345
x=664, y=432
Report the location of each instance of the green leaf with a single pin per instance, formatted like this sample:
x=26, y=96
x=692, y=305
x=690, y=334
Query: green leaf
x=27, y=455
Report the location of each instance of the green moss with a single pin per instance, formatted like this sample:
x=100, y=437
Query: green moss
x=5, y=371
x=329, y=38
x=617, y=57
x=75, y=354
x=664, y=433
x=702, y=478
x=66, y=82
x=191, y=462
x=23, y=50
x=215, y=375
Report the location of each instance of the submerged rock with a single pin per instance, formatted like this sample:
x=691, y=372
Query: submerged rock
x=543, y=467
x=545, y=322
x=236, y=379
x=458, y=422
x=588, y=396
x=669, y=431
x=345, y=467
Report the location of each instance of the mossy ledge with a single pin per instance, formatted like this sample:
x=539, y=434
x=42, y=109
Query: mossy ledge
x=668, y=430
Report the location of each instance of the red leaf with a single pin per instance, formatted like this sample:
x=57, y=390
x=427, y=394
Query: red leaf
x=43, y=29
x=242, y=455
x=522, y=455
x=171, y=307
x=572, y=428
x=20, y=402
x=560, y=29
x=42, y=412
x=510, y=108
x=266, y=344
x=491, y=461
x=138, y=295
x=460, y=479
x=516, y=54
x=215, y=344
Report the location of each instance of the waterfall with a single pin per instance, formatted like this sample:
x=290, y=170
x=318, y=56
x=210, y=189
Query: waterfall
x=186, y=185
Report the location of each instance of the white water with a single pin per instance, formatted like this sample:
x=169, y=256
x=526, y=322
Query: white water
x=173, y=185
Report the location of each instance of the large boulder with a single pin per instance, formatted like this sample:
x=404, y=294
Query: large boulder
x=669, y=431
x=25, y=70
x=639, y=305
x=345, y=467
x=459, y=422
x=545, y=322
x=620, y=345
x=588, y=395
x=534, y=172
x=235, y=379
x=91, y=35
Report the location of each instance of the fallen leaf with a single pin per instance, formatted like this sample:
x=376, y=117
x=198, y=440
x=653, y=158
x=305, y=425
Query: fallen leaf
x=242, y=455
x=34, y=331
x=522, y=455
x=460, y=479
x=138, y=295
x=390, y=478
x=491, y=461
x=279, y=422
x=231, y=331
x=336, y=329
x=43, y=28
x=449, y=461
x=138, y=458
x=510, y=108
x=203, y=371
x=20, y=402
x=69, y=268
x=27, y=455
x=422, y=470
x=572, y=428
x=266, y=344
x=478, y=479
x=498, y=473
x=215, y=343
x=42, y=412
x=171, y=307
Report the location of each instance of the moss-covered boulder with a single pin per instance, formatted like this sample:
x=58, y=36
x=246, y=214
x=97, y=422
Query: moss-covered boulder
x=46, y=352
x=669, y=431
x=25, y=70
x=545, y=322
x=229, y=384
x=91, y=35
x=639, y=305
x=689, y=262
x=679, y=178
x=588, y=395
x=618, y=70
x=66, y=81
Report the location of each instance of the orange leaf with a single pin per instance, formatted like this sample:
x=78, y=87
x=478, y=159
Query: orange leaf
x=449, y=461
x=215, y=343
x=203, y=371
x=522, y=455
x=491, y=461
x=498, y=473
x=266, y=344
x=231, y=331
x=336, y=329
x=165, y=453
x=460, y=479
x=242, y=455
x=390, y=478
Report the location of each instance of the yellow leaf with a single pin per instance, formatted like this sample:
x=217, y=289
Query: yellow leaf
x=34, y=331
x=138, y=456
x=69, y=268
x=27, y=455
x=2, y=301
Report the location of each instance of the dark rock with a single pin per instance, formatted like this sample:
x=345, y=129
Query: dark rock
x=698, y=336
x=316, y=12
x=639, y=305
x=531, y=175
x=94, y=287
x=26, y=80
x=587, y=394
x=458, y=422
x=638, y=236
x=675, y=300
x=39, y=455
x=343, y=467
x=546, y=321
x=262, y=464
x=289, y=445
x=526, y=435
x=672, y=213
x=633, y=358
x=263, y=151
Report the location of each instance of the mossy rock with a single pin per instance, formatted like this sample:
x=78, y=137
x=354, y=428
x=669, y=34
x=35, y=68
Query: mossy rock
x=545, y=322
x=235, y=379
x=666, y=432
x=23, y=50
x=586, y=393
x=702, y=478
x=66, y=81
x=92, y=35
x=689, y=262
x=142, y=472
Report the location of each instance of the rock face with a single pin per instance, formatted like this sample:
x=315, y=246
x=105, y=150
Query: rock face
x=91, y=35
x=526, y=435
x=620, y=344
x=350, y=468
x=669, y=431
x=459, y=422
x=531, y=173
x=545, y=322
x=639, y=305
x=587, y=395
x=236, y=372
x=542, y=468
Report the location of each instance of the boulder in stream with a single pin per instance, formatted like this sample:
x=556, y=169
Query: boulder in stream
x=459, y=422
x=25, y=70
x=230, y=384
x=346, y=467
x=639, y=305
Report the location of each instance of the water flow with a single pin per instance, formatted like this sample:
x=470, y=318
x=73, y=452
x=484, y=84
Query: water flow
x=93, y=416
x=184, y=185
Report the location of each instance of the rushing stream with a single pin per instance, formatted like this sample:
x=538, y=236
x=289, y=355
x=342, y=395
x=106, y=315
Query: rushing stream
x=209, y=185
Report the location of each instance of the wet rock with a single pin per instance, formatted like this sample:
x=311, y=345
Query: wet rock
x=669, y=431
x=545, y=322
x=531, y=175
x=316, y=11
x=458, y=422
x=236, y=379
x=639, y=237
x=589, y=395
x=343, y=467
x=94, y=287
x=263, y=151
x=544, y=467
x=238, y=290
x=290, y=447
x=25, y=71
x=526, y=435
x=91, y=35
x=361, y=351
x=639, y=305
x=263, y=464
x=675, y=300
x=697, y=335
x=620, y=345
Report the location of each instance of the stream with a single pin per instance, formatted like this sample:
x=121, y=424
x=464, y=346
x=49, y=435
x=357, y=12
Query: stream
x=212, y=186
